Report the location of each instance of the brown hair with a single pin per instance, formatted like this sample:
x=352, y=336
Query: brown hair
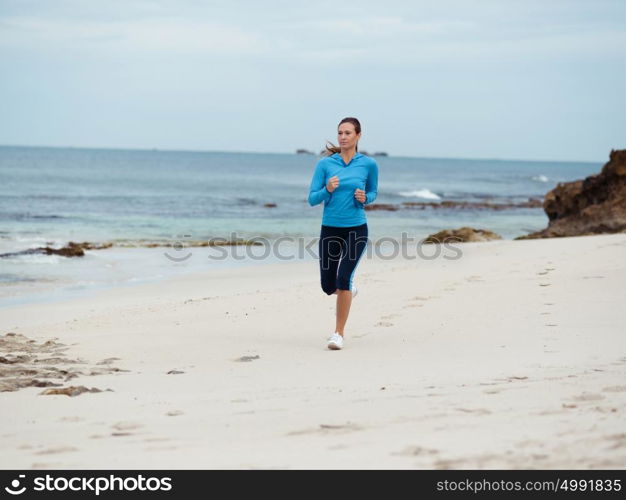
x=332, y=149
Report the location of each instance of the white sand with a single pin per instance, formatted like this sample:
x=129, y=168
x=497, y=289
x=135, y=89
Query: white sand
x=468, y=363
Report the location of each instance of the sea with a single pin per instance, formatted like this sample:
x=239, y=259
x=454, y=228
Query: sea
x=154, y=210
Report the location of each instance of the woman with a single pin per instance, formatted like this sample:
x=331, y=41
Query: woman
x=345, y=181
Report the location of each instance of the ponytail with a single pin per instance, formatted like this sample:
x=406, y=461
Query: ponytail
x=331, y=149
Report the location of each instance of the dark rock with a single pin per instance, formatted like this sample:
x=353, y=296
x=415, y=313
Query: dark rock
x=86, y=245
x=467, y=205
x=463, y=234
x=71, y=250
x=270, y=205
x=382, y=206
x=594, y=205
x=71, y=391
x=460, y=205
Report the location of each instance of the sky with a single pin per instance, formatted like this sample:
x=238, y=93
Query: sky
x=536, y=80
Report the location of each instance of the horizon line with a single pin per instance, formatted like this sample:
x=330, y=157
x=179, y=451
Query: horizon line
x=155, y=149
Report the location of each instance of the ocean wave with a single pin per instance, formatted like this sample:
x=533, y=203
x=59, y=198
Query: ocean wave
x=245, y=201
x=38, y=258
x=540, y=178
x=15, y=278
x=29, y=216
x=420, y=193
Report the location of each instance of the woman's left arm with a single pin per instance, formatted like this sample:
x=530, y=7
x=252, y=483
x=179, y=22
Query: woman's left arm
x=371, y=186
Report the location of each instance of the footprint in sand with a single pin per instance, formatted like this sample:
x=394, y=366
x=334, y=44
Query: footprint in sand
x=47, y=465
x=124, y=428
x=412, y=305
x=389, y=316
x=246, y=359
x=70, y=419
x=384, y=323
x=474, y=411
x=545, y=284
x=619, y=440
x=414, y=451
x=551, y=324
x=615, y=388
x=58, y=449
x=108, y=361
x=328, y=429
x=449, y=464
x=588, y=396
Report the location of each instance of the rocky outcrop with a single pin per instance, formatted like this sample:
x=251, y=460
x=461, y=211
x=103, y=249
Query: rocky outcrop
x=70, y=250
x=460, y=205
x=463, y=234
x=594, y=205
x=382, y=206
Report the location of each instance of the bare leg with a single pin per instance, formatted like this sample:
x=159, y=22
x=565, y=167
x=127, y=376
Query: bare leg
x=344, y=300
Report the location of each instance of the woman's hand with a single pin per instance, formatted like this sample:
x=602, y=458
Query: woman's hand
x=333, y=182
x=359, y=194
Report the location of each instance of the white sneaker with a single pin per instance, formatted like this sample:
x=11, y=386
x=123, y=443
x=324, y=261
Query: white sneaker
x=335, y=341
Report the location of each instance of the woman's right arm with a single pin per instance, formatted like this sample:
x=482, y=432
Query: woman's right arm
x=318, y=192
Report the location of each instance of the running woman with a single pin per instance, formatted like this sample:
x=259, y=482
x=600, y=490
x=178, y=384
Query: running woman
x=345, y=181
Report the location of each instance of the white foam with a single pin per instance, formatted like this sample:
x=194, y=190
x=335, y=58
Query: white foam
x=539, y=178
x=38, y=258
x=420, y=193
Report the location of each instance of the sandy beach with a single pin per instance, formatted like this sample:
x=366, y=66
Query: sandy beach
x=512, y=356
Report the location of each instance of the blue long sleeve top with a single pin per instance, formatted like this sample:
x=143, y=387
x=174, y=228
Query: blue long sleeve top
x=341, y=208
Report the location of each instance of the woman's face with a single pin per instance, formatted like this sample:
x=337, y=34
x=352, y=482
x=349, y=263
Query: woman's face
x=347, y=136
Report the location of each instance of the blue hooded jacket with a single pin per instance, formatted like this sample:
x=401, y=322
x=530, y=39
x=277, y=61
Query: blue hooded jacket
x=341, y=208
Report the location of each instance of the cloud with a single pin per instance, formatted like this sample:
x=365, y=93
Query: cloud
x=378, y=27
x=386, y=39
x=146, y=35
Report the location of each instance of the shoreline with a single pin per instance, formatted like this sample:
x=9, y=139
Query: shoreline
x=228, y=369
x=106, y=268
